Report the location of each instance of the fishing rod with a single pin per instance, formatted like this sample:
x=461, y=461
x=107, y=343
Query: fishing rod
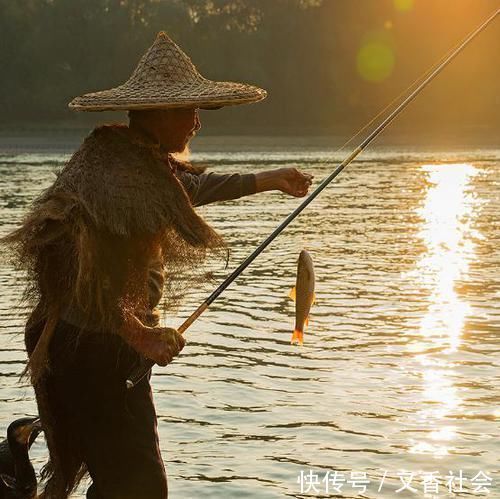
x=142, y=370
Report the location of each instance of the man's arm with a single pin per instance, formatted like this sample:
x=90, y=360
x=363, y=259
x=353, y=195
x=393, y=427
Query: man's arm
x=211, y=187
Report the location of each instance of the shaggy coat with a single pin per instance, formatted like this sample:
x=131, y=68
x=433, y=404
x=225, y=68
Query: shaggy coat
x=86, y=246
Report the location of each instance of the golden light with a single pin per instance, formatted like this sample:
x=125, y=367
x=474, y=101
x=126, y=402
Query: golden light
x=403, y=5
x=439, y=390
x=447, y=231
x=441, y=398
x=445, y=433
x=375, y=61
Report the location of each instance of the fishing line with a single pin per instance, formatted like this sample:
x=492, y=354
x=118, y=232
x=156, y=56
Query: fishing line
x=399, y=98
x=146, y=364
x=393, y=103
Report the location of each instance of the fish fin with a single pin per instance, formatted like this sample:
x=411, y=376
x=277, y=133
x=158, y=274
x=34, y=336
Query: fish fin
x=314, y=299
x=293, y=293
x=306, y=322
x=297, y=337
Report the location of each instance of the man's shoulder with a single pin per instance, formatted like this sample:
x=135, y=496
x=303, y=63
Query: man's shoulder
x=111, y=151
x=111, y=135
x=122, y=186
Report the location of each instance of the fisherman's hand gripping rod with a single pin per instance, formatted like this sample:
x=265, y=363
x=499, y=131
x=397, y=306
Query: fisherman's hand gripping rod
x=142, y=370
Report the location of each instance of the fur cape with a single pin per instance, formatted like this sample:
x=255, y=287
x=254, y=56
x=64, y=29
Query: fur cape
x=88, y=241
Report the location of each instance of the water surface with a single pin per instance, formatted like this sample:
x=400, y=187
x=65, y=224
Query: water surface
x=400, y=368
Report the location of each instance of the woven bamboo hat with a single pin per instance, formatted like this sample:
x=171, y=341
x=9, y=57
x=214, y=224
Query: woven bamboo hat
x=166, y=78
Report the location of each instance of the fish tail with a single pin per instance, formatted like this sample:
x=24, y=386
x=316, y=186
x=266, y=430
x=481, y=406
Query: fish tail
x=297, y=337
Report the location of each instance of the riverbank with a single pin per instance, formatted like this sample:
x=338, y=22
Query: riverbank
x=17, y=140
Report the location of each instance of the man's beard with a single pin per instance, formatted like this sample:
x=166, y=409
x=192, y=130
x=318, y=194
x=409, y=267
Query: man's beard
x=184, y=154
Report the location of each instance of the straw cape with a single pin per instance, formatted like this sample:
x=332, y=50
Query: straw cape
x=166, y=78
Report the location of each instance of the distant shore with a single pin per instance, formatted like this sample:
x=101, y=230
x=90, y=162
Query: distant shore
x=65, y=140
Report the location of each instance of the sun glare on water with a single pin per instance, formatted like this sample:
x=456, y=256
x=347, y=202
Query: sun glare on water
x=447, y=214
x=447, y=232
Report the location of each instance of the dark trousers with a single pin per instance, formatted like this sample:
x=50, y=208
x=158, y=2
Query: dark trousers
x=114, y=428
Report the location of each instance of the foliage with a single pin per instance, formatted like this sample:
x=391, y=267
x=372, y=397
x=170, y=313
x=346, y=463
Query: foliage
x=303, y=52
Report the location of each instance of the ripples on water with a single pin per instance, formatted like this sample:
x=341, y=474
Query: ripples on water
x=400, y=367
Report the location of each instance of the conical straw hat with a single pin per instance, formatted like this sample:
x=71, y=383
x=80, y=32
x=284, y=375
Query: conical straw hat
x=166, y=78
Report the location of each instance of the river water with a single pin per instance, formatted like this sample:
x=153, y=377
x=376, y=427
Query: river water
x=399, y=373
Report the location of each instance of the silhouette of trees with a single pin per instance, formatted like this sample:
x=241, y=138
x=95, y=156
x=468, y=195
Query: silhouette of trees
x=302, y=51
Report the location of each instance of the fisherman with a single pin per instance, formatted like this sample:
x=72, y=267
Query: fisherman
x=100, y=246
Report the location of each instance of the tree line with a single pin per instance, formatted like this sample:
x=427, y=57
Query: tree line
x=308, y=54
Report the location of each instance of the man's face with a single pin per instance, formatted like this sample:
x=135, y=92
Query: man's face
x=174, y=128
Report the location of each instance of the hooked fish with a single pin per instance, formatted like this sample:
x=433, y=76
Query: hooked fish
x=303, y=295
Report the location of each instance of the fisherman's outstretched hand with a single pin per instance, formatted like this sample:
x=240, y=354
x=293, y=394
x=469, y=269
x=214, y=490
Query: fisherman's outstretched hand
x=294, y=182
x=288, y=180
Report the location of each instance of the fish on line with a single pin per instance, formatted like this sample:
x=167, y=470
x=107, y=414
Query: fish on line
x=303, y=295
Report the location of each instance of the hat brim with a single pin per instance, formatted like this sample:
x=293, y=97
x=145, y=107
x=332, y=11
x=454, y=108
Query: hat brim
x=204, y=94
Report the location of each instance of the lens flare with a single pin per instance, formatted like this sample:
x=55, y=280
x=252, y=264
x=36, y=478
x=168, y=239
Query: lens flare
x=375, y=61
x=403, y=5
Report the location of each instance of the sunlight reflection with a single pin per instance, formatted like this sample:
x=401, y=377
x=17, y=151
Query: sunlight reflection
x=445, y=433
x=439, y=389
x=428, y=448
x=447, y=232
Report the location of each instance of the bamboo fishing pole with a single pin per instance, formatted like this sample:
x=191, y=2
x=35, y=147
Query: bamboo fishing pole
x=143, y=369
